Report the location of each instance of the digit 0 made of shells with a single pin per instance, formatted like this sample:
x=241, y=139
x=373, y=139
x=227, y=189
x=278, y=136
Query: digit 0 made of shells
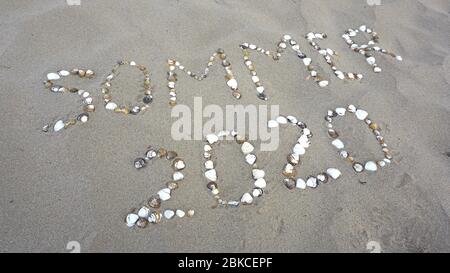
x=286, y=41
x=360, y=114
x=220, y=56
x=291, y=180
x=367, y=49
x=211, y=175
x=151, y=211
x=144, y=100
x=85, y=96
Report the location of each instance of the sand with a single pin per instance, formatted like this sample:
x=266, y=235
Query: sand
x=79, y=185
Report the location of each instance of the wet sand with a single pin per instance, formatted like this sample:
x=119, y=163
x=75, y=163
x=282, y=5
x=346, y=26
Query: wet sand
x=78, y=185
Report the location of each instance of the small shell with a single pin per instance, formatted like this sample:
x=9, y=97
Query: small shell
x=257, y=173
x=289, y=183
x=361, y=114
x=53, y=76
x=260, y=183
x=168, y=213
x=311, y=182
x=211, y=175
x=358, y=167
x=247, y=148
x=139, y=163
x=178, y=164
x=246, y=198
x=151, y=154
x=171, y=155
x=293, y=159
x=370, y=166
x=257, y=192
x=154, y=202
x=338, y=144
x=131, y=219
x=177, y=176
x=190, y=213
x=142, y=223
x=334, y=173
x=212, y=138
x=322, y=178
x=144, y=212
x=58, y=126
x=180, y=213
x=164, y=194
x=300, y=184
x=84, y=117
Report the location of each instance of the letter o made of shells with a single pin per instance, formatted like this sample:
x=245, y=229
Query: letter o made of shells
x=151, y=211
x=367, y=49
x=360, y=114
x=291, y=180
x=85, y=96
x=144, y=100
x=211, y=175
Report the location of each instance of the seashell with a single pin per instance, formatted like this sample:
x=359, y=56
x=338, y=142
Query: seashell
x=289, y=170
x=89, y=108
x=81, y=73
x=58, y=126
x=207, y=148
x=211, y=175
x=351, y=108
x=307, y=61
x=332, y=133
x=247, y=148
x=171, y=155
x=340, y=111
x=178, y=164
x=155, y=217
x=399, y=58
x=172, y=185
x=257, y=173
x=250, y=159
x=311, y=182
x=260, y=183
x=212, y=138
x=190, y=213
x=334, y=173
x=299, y=149
x=361, y=114
x=338, y=144
x=381, y=163
x=293, y=159
x=370, y=60
x=63, y=73
x=233, y=204
x=84, y=117
x=139, y=163
x=232, y=83
x=281, y=120
x=144, y=212
x=168, y=213
x=162, y=153
x=358, y=167
x=131, y=219
x=53, y=76
x=147, y=99
x=207, y=155
x=57, y=89
x=257, y=192
x=247, y=198
x=180, y=213
x=164, y=194
x=370, y=166
x=142, y=223
x=135, y=110
x=177, y=176
x=209, y=164
x=300, y=184
x=377, y=69
x=45, y=128
x=323, y=83
x=304, y=141
x=322, y=178
x=223, y=133
x=260, y=89
x=154, y=202
x=240, y=139
x=272, y=124
x=111, y=106
x=292, y=119
x=289, y=183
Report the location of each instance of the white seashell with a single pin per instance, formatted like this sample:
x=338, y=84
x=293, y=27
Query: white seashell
x=370, y=166
x=260, y=89
x=132, y=63
x=340, y=74
x=88, y=100
x=207, y=148
x=363, y=28
x=311, y=182
x=307, y=61
x=281, y=120
x=257, y=173
x=211, y=175
x=63, y=73
x=179, y=164
x=223, y=133
x=177, y=176
x=334, y=173
x=209, y=164
x=399, y=58
x=292, y=119
x=247, y=148
x=111, y=105
x=323, y=83
x=255, y=79
x=257, y=192
x=168, y=213
x=330, y=51
x=300, y=184
x=287, y=37
x=180, y=213
x=272, y=124
x=144, y=212
x=58, y=125
x=361, y=114
x=351, y=108
x=131, y=219
x=164, y=194
x=212, y=138
x=247, y=198
x=260, y=183
x=53, y=76
x=338, y=144
x=340, y=111
x=370, y=60
x=250, y=159
x=232, y=83
x=377, y=69
x=299, y=149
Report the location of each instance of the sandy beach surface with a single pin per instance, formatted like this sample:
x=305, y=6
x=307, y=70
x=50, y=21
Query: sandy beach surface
x=78, y=185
